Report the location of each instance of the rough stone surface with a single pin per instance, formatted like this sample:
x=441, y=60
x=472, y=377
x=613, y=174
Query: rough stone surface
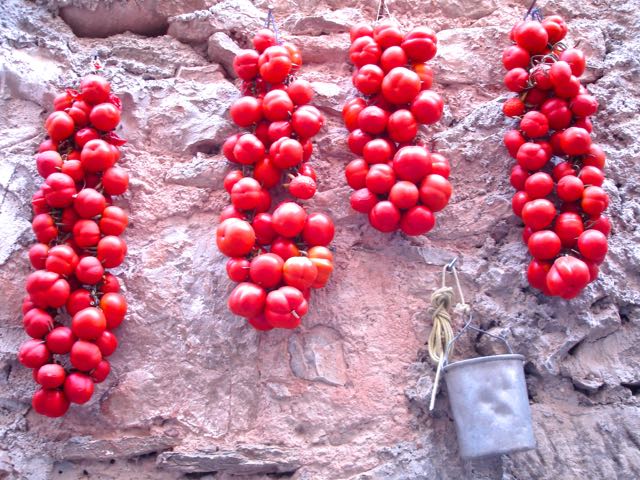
x=194, y=392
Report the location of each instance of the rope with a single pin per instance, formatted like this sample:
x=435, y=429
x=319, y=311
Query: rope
x=270, y=22
x=383, y=9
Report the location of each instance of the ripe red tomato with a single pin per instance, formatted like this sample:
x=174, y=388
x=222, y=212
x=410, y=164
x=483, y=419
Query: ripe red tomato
x=248, y=149
x=111, y=251
x=417, y=220
x=88, y=324
x=238, y=269
x=584, y=105
x=300, y=92
x=284, y=307
x=537, y=274
x=97, y=156
x=86, y=233
x=351, y=112
x=538, y=185
x=387, y=35
x=89, y=203
x=538, y=214
x=37, y=323
x=556, y=28
x=246, y=194
x=567, y=277
x=78, y=388
x=89, y=270
x=263, y=39
x=60, y=340
x=246, y=111
x=113, y=221
x=412, y=163
x=275, y=64
x=575, y=58
x=570, y=188
x=285, y=248
x=59, y=190
x=531, y=36
x=47, y=289
x=532, y=156
x=544, y=244
x=404, y=195
x=33, y=354
x=420, y=44
x=48, y=162
x=380, y=178
x=575, y=141
x=402, y=126
x=115, y=181
x=534, y=124
x=295, y=55
x=78, y=300
x=62, y=259
x=114, y=308
x=569, y=89
x=400, y=86
x=95, y=89
x=364, y=50
x=245, y=64
x=266, y=173
x=277, y=106
x=299, y=272
x=373, y=120
x=557, y=112
x=107, y=342
x=361, y=30
x=592, y=245
x=440, y=165
x=101, y=372
x=59, y=125
x=435, y=192
x=51, y=375
x=519, y=177
x=51, y=403
x=307, y=121
x=594, y=201
x=266, y=270
x=385, y=216
x=425, y=73
x=235, y=238
x=516, y=79
x=38, y=255
x=513, y=107
x=363, y=200
x=105, y=116
x=278, y=130
x=391, y=58
x=289, y=219
x=109, y=284
x=318, y=230
x=368, y=79
x=356, y=173
x=44, y=227
x=286, y=153
x=595, y=157
x=247, y=300
x=357, y=140
x=302, y=187
x=85, y=135
x=569, y=227
x=515, y=57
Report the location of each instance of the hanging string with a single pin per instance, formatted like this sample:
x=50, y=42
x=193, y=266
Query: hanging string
x=534, y=12
x=96, y=64
x=270, y=22
x=383, y=10
x=441, y=331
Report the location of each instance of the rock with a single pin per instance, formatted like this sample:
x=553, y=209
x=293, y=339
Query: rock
x=324, y=23
x=221, y=49
x=202, y=171
x=317, y=355
x=466, y=8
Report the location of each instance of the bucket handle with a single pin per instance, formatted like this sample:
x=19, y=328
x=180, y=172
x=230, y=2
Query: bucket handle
x=469, y=326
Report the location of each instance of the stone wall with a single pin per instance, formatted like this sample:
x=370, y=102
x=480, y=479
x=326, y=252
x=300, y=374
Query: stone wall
x=194, y=392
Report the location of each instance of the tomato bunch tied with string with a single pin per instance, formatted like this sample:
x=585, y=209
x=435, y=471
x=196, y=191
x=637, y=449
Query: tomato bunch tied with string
x=398, y=182
x=73, y=303
x=558, y=173
x=277, y=256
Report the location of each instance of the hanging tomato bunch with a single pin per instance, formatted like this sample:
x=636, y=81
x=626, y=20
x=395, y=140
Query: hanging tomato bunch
x=560, y=200
x=73, y=303
x=277, y=257
x=397, y=182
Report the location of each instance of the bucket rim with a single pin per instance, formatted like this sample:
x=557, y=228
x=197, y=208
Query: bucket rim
x=488, y=358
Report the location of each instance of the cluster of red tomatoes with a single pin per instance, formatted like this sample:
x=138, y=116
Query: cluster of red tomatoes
x=560, y=201
x=397, y=182
x=73, y=303
x=277, y=257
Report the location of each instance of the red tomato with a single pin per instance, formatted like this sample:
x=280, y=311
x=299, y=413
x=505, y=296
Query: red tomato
x=48, y=162
x=537, y=274
x=238, y=269
x=404, y=195
x=387, y=35
x=519, y=177
x=357, y=141
x=569, y=227
x=556, y=28
x=570, y=188
x=289, y=219
x=592, y=245
x=86, y=135
x=266, y=173
x=401, y=86
x=567, y=277
x=560, y=73
x=595, y=157
x=44, y=227
x=373, y=120
x=412, y=163
x=286, y=153
x=266, y=270
x=97, y=156
x=101, y=372
x=62, y=101
x=114, y=307
x=427, y=107
x=300, y=92
x=61, y=259
x=48, y=145
x=59, y=125
x=513, y=107
x=569, y=89
x=420, y=44
x=278, y=130
x=417, y=220
x=351, y=112
x=435, y=192
x=538, y=185
x=575, y=58
x=284, y=307
x=51, y=403
x=245, y=194
x=285, y=248
x=534, y=124
x=532, y=156
x=294, y=54
x=402, y=126
x=260, y=323
x=544, y=244
x=59, y=190
x=299, y=272
x=95, y=89
x=105, y=116
x=86, y=233
x=356, y=173
x=368, y=79
x=263, y=39
x=594, y=201
x=51, y=375
x=557, y=112
x=37, y=323
x=391, y=58
x=47, y=289
x=302, y=187
x=308, y=171
x=516, y=79
x=60, y=339
x=109, y=284
x=364, y=50
x=440, y=165
x=113, y=221
x=307, y=121
x=247, y=300
x=277, y=106
x=363, y=200
x=78, y=388
x=584, y=123
x=385, y=216
x=538, y=214
x=535, y=97
x=361, y=30
x=235, y=238
x=78, y=300
x=318, y=230
x=575, y=141
x=380, y=178
x=584, y=105
x=245, y=64
x=531, y=36
x=515, y=57
x=246, y=111
x=275, y=64
x=33, y=354
x=88, y=324
x=248, y=150
x=89, y=203
x=115, y=181
x=89, y=270
x=513, y=140
x=38, y=255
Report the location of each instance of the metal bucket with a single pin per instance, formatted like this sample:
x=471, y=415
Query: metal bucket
x=489, y=401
